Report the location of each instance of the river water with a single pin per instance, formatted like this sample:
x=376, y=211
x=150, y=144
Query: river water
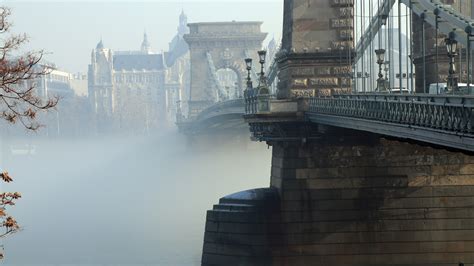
x=120, y=200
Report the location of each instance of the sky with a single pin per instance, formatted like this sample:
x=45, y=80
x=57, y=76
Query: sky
x=68, y=30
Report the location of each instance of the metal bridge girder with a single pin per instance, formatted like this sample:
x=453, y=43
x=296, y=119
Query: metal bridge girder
x=449, y=21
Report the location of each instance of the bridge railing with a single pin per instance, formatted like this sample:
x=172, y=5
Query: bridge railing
x=255, y=103
x=219, y=107
x=447, y=113
x=268, y=104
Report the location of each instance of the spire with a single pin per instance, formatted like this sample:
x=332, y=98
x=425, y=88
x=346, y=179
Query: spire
x=183, y=24
x=182, y=16
x=146, y=47
x=272, y=44
x=100, y=45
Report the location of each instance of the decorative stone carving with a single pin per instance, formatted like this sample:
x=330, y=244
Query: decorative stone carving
x=300, y=82
x=345, y=12
x=303, y=93
x=226, y=54
x=346, y=82
x=320, y=71
x=342, y=23
x=342, y=2
x=323, y=81
x=324, y=92
x=341, y=70
x=337, y=91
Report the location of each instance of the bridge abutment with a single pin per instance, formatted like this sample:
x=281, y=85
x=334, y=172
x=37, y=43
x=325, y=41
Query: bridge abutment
x=357, y=200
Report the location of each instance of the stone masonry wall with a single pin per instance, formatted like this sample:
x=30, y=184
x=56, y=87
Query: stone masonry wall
x=380, y=202
x=317, y=48
x=351, y=201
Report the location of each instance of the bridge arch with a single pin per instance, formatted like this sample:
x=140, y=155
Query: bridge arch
x=214, y=46
x=238, y=69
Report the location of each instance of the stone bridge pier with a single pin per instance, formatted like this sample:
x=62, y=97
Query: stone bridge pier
x=347, y=198
x=338, y=196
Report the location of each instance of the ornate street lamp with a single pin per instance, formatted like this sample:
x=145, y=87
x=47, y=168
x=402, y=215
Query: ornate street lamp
x=261, y=55
x=249, y=91
x=248, y=63
x=380, y=61
x=451, y=46
x=262, y=83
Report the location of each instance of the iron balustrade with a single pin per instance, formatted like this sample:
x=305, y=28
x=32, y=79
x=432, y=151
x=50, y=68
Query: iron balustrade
x=441, y=112
x=257, y=103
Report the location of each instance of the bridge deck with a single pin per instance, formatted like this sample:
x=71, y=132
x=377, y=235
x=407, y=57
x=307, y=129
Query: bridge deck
x=445, y=120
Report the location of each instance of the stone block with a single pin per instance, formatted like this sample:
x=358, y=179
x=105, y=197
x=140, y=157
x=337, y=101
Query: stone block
x=466, y=169
x=441, y=180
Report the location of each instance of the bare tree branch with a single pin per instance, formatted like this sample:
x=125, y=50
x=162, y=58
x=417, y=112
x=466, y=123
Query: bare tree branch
x=18, y=77
x=18, y=101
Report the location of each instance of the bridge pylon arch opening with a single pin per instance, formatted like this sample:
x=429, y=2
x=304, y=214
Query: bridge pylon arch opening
x=230, y=80
x=217, y=53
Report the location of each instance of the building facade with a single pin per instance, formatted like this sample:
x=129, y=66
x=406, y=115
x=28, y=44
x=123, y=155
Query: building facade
x=139, y=90
x=126, y=88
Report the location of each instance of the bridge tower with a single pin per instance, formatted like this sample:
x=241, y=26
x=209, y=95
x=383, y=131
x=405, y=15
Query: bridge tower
x=218, y=46
x=317, y=48
x=433, y=66
x=338, y=194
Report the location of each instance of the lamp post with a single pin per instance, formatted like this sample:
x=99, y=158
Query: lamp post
x=248, y=63
x=262, y=82
x=451, y=46
x=380, y=60
x=248, y=92
x=261, y=55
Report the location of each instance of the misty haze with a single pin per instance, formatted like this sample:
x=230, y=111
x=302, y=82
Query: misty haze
x=237, y=133
x=120, y=200
x=108, y=178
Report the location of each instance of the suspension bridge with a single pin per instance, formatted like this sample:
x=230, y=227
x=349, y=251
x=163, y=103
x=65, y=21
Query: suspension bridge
x=368, y=108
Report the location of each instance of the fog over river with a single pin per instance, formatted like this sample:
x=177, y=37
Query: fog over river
x=128, y=201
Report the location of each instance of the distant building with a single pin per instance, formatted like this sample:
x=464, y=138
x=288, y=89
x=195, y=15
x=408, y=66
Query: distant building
x=79, y=84
x=71, y=115
x=55, y=83
x=127, y=88
x=178, y=72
